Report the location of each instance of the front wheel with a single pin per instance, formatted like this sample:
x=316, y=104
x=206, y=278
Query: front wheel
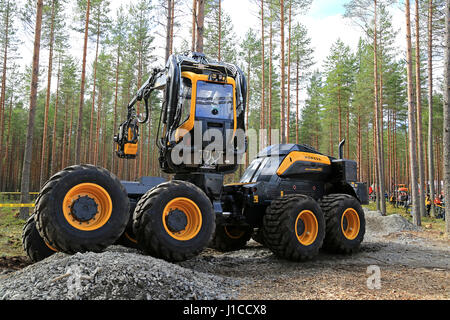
x=82, y=208
x=174, y=221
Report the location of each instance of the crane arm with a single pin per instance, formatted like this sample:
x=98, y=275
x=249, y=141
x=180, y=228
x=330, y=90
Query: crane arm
x=127, y=138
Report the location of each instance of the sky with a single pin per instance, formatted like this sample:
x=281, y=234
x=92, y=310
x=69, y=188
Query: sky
x=324, y=21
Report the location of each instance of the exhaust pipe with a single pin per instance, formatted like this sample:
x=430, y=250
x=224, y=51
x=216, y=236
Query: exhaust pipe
x=341, y=149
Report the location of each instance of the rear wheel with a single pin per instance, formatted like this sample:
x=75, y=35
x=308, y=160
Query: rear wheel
x=83, y=208
x=231, y=238
x=294, y=227
x=174, y=221
x=35, y=247
x=346, y=224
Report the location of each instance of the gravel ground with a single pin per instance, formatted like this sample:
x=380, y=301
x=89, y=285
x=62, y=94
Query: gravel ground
x=116, y=274
x=412, y=265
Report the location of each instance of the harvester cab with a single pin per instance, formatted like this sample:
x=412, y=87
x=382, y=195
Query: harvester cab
x=201, y=119
x=292, y=198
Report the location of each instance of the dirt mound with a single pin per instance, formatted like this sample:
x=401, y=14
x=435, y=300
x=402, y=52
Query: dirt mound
x=377, y=225
x=11, y=264
x=116, y=274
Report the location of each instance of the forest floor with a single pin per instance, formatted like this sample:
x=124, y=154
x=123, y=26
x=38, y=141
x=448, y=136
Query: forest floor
x=414, y=264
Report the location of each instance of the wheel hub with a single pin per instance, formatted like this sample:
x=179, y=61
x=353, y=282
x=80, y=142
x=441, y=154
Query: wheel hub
x=84, y=209
x=176, y=221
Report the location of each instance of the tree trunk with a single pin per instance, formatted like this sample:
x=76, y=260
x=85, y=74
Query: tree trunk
x=200, y=25
x=44, y=175
x=28, y=155
x=220, y=32
x=430, y=106
x=270, y=78
x=247, y=160
x=194, y=24
x=446, y=142
x=168, y=28
x=263, y=75
x=283, y=77
x=69, y=148
x=64, y=143
x=412, y=123
x=94, y=92
x=422, y=183
x=3, y=91
x=97, y=130
x=114, y=160
x=172, y=13
x=4, y=180
x=379, y=122
x=288, y=112
x=297, y=91
x=83, y=83
x=53, y=161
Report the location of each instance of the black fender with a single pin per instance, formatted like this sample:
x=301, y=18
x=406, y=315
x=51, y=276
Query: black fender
x=342, y=188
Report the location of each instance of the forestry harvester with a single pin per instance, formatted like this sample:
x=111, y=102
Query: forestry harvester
x=292, y=199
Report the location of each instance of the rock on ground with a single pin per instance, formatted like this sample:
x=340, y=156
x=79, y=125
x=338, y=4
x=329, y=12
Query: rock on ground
x=116, y=274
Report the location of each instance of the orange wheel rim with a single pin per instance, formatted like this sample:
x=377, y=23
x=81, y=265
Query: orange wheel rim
x=95, y=193
x=50, y=247
x=306, y=228
x=234, y=232
x=350, y=224
x=192, y=216
x=130, y=238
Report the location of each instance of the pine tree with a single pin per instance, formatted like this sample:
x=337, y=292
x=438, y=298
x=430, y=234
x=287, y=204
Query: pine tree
x=26, y=172
x=87, y=5
x=412, y=122
x=8, y=44
x=302, y=60
x=446, y=139
x=225, y=39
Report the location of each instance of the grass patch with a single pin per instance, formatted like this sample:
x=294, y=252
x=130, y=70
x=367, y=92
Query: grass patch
x=11, y=233
x=429, y=223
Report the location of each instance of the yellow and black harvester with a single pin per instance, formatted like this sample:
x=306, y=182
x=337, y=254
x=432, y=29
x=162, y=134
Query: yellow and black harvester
x=292, y=199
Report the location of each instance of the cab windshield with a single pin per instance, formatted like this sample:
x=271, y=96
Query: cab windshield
x=214, y=100
x=261, y=169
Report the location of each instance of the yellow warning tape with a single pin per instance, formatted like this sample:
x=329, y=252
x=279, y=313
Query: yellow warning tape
x=18, y=193
x=14, y=205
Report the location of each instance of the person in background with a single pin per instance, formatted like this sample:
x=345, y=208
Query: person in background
x=428, y=204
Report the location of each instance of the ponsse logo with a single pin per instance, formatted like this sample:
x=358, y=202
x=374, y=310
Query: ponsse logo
x=313, y=158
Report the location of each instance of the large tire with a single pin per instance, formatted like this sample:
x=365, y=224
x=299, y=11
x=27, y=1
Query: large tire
x=230, y=238
x=128, y=238
x=174, y=221
x=258, y=236
x=294, y=227
x=346, y=224
x=33, y=244
x=82, y=208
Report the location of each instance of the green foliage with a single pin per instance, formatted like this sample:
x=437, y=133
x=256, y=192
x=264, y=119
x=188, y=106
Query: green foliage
x=10, y=233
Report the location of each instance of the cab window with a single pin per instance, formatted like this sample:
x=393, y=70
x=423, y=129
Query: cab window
x=215, y=100
x=186, y=99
